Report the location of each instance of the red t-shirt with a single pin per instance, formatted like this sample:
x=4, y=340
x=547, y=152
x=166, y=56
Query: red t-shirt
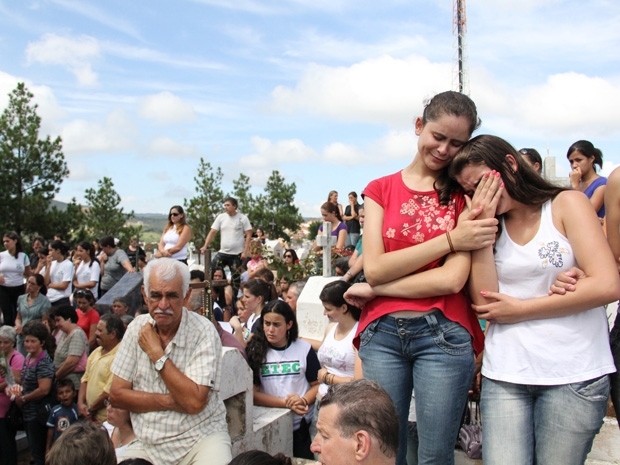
x=411, y=217
x=85, y=320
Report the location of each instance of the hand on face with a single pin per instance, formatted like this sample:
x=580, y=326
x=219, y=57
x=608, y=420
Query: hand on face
x=487, y=195
x=150, y=343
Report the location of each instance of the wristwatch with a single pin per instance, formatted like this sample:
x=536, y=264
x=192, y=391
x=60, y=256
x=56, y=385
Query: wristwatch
x=159, y=364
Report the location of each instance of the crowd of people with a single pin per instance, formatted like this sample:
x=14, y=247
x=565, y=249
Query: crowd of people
x=474, y=274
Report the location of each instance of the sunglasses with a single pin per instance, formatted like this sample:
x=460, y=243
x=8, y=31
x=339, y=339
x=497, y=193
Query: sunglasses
x=288, y=256
x=83, y=294
x=174, y=214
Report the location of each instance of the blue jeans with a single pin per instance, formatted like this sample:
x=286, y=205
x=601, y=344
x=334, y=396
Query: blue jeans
x=433, y=354
x=352, y=239
x=547, y=425
x=614, y=339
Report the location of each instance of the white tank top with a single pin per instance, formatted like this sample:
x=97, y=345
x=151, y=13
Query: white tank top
x=337, y=356
x=171, y=237
x=550, y=351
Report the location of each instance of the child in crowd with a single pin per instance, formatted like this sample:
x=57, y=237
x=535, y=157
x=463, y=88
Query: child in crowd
x=62, y=415
x=285, y=370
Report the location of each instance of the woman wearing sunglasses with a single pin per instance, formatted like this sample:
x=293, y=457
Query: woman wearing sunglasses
x=176, y=235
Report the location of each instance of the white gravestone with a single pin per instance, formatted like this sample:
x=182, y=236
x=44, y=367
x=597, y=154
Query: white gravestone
x=312, y=323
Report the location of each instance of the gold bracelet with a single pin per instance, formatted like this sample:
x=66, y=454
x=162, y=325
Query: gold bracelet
x=450, y=242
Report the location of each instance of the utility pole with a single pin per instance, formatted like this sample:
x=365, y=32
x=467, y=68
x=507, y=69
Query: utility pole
x=459, y=29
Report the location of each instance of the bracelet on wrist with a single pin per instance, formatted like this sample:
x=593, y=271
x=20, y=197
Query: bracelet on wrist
x=450, y=242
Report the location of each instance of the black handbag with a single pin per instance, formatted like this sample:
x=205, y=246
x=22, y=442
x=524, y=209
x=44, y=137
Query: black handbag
x=14, y=418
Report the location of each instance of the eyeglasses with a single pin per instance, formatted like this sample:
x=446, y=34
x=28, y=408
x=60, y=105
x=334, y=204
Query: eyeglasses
x=174, y=214
x=107, y=403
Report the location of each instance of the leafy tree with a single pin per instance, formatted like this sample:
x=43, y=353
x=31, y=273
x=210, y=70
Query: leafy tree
x=69, y=222
x=241, y=192
x=202, y=209
x=104, y=217
x=313, y=229
x=275, y=210
x=32, y=168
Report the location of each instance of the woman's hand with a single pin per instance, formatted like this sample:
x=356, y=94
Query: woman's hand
x=359, y=294
x=321, y=375
x=575, y=177
x=235, y=323
x=505, y=309
x=471, y=234
x=566, y=281
x=487, y=195
x=296, y=404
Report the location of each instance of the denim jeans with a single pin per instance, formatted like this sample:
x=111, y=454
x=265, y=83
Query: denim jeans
x=546, y=425
x=614, y=339
x=352, y=239
x=433, y=354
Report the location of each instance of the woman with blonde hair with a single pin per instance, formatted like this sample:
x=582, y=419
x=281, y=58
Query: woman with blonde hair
x=176, y=235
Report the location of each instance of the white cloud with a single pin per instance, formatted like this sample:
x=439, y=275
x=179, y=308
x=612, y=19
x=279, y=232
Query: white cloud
x=571, y=102
x=171, y=148
x=380, y=90
x=74, y=53
x=48, y=108
x=270, y=154
x=116, y=134
x=166, y=108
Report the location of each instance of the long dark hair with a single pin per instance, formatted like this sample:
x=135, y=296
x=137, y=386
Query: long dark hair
x=332, y=208
x=454, y=104
x=90, y=248
x=18, y=242
x=333, y=293
x=40, y=282
x=256, y=349
x=181, y=224
x=587, y=148
x=523, y=184
x=60, y=246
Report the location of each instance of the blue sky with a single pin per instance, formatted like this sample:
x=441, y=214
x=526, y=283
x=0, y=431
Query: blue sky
x=325, y=91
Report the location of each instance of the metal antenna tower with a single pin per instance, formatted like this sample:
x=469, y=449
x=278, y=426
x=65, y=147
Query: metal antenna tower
x=459, y=29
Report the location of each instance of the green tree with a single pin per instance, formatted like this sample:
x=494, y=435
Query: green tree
x=275, y=209
x=241, y=192
x=104, y=217
x=32, y=168
x=69, y=222
x=207, y=204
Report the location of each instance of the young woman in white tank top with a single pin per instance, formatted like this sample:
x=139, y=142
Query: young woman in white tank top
x=547, y=357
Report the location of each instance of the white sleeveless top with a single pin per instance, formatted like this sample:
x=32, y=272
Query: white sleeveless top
x=337, y=356
x=171, y=237
x=550, y=351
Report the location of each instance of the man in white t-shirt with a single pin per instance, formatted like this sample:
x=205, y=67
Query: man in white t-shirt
x=235, y=238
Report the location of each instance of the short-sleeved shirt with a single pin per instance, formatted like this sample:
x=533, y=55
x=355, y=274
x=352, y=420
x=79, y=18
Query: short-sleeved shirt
x=12, y=268
x=232, y=232
x=60, y=272
x=88, y=272
x=86, y=320
x=14, y=362
x=61, y=418
x=196, y=351
x=75, y=344
x=290, y=370
x=341, y=227
x=98, y=376
x=113, y=269
x=32, y=372
x=39, y=307
x=412, y=217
